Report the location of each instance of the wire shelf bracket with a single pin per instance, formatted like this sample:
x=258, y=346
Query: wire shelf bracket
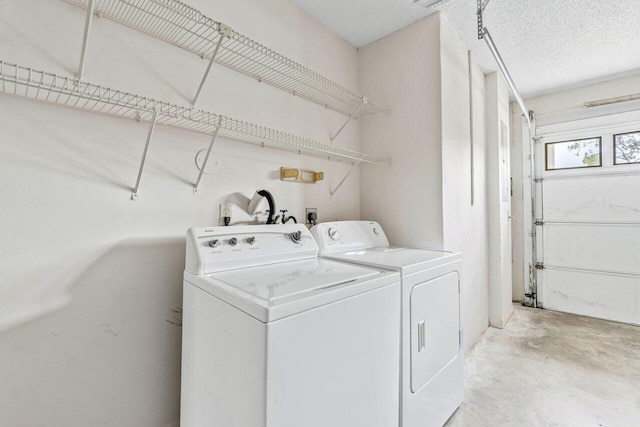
x=134, y=195
x=225, y=33
x=351, y=117
x=67, y=91
x=355, y=165
x=179, y=24
x=85, y=38
x=196, y=186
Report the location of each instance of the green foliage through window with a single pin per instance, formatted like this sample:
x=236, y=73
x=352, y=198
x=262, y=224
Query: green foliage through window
x=627, y=148
x=586, y=151
x=579, y=153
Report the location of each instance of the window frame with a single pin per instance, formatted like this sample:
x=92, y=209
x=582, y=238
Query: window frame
x=599, y=138
x=615, y=158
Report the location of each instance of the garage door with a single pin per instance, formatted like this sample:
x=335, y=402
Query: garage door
x=588, y=218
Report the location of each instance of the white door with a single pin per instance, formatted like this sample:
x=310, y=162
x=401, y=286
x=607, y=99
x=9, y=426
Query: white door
x=588, y=216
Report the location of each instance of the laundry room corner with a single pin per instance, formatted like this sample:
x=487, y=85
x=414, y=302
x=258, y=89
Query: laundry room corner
x=75, y=315
x=319, y=213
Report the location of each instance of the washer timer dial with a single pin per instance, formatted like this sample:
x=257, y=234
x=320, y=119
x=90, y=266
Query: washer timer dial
x=334, y=233
x=296, y=237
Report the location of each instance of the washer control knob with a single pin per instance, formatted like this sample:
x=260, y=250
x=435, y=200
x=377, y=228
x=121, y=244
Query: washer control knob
x=233, y=241
x=251, y=240
x=296, y=236
x=214, y=243
x=375, y=231
x=334, y=234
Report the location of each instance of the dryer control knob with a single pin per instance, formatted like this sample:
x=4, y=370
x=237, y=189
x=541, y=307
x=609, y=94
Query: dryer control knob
x=233, y=241
x=375, y=231
x=334, y=234
x=296, y=237
x=214, y=243
x=251, y=240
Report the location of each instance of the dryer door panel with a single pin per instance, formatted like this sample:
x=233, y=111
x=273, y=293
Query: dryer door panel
x=435, y=326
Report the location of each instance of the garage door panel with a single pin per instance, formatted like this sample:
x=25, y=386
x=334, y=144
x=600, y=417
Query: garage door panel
x=593, y=294
x=585, y=198
x=593, y=247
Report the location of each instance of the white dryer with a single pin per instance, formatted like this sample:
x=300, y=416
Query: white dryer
x=432, y=378
x=275, y=337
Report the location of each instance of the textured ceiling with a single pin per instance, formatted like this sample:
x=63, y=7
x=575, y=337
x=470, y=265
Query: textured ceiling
x=546, y=44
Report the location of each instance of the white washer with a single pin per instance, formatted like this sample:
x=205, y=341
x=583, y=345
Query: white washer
x=432, y=380
x=275, y=337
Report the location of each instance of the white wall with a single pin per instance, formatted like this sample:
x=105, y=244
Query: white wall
x=424, y=199
x=552, y=108
x=499, y=196
x=402, y=71
x=465, y=221
x=90, y=282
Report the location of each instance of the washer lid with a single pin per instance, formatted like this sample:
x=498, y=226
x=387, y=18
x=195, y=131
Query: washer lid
x=404, y=260
x=279, y=290
x=277, y=282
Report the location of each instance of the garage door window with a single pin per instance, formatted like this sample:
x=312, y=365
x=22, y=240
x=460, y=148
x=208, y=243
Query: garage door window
x=626, y=148
x=578, y=153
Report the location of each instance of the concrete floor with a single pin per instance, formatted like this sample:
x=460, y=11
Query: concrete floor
x=553, y=369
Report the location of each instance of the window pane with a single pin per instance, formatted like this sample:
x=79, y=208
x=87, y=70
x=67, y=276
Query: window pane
x=627, y=146
x=579, y=153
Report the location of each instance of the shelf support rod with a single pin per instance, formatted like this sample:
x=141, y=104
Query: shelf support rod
x=355, y=165
x=351, y=117
x=225, y=32
x=206, y=158
x=85, y=40
x=134, y=195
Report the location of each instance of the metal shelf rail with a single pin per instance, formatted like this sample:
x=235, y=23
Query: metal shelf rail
x=181, y=25
x=44, y=86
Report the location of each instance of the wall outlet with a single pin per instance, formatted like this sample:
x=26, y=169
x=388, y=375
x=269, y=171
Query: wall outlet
x=224, y=211
x=311, y=215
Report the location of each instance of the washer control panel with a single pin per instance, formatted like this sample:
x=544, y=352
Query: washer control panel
x=225, y=248
x=344, y=236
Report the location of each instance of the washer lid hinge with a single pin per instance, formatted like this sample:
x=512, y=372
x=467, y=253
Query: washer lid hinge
x=540, y=266
x=539, y=222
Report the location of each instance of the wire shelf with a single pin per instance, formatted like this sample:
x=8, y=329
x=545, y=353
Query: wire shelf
x=43, y=86
x=183, y=26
